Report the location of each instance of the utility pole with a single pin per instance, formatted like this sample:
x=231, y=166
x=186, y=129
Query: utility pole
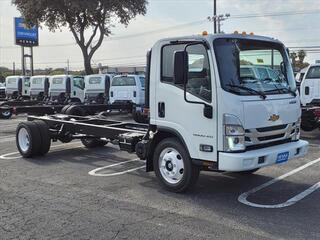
x=215, y=14
x=14, y=69
x=218, y=21
x=68, y=67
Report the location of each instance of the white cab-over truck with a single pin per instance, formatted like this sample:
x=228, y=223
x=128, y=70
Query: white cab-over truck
x=97, y=88
x=66, y=88
x=204, y=116
x=2, y=90
x=39, y=87
x=18, y=87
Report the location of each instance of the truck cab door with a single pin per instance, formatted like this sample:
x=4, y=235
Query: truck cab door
x=78, y=87
x=186, y=116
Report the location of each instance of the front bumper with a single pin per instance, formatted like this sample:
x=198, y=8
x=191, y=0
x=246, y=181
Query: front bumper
x=237, y=162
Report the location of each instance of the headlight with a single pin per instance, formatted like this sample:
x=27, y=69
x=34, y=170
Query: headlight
x=234, y=135
x=296, y=135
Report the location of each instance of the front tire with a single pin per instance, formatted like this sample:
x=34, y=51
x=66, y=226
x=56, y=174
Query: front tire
x=173, y=166
x=45, y=137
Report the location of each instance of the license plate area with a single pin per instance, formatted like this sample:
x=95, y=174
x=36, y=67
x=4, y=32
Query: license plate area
x=282, y=157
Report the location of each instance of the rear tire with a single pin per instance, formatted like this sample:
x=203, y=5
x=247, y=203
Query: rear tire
x=75, y=111
x=309, y=121
x=64, y=109
x=93, y=143
x=45, y=137
x=139, y=118
x=28, y=139
x=173, y=166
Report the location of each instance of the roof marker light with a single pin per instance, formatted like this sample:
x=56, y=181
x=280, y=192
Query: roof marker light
x=205, y=33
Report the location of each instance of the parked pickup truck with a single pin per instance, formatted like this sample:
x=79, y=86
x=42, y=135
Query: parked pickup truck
x=128, y=88
x=310, y=86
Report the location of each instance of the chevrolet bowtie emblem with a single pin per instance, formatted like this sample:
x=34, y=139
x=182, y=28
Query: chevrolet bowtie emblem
x=274, y=118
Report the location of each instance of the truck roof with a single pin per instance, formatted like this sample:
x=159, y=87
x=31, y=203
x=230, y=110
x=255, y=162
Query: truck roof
x=16, y=76
x=313, y=65
x=212, y=37
x=39, y=76
x=99, y=75
x=64, y=76
x=130, y=75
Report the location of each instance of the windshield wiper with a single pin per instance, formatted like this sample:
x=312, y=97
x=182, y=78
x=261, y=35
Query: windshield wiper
x=250, y=90
x=283, y=90
x=290, y=91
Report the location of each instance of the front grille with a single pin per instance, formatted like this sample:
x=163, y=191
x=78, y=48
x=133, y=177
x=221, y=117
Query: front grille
x=274, y=128
x=269, y=135
x=260, y=146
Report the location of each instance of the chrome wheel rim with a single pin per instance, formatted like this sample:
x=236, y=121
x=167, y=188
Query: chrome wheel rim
x=171, y=165
x=6, y=113
x=24, y=139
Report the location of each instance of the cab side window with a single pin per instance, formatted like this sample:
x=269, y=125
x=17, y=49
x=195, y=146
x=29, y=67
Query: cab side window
x=168, y=61
x=79, y=83
x=199, y=76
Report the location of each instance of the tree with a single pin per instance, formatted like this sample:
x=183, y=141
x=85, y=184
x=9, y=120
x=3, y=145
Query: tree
x=301, y=55
x=298, y=60
x=96, y=16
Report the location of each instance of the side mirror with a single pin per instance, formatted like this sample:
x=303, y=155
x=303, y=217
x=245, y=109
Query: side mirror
x=180, y=67
x=208, y=111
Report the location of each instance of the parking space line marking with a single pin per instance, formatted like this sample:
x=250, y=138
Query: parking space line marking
x=95, y=174
x=7, y=155
x=243, y=197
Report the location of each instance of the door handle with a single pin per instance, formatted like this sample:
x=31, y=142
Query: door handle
x=161, y=110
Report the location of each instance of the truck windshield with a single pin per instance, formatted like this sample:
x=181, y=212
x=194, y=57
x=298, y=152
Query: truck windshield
x=123, y=81
x=251, y=67
x=314, y=72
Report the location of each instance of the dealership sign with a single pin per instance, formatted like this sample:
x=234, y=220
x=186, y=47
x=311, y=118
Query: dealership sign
x=26, y=36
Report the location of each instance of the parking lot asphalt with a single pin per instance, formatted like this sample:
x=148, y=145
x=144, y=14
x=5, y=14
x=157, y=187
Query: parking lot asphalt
x=55, y=197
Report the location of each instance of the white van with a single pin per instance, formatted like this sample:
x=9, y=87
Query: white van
x=39, y=87
x=310, y=86
x=97, y=88
x=18, y=87
x=66, y=88
x=128, y=88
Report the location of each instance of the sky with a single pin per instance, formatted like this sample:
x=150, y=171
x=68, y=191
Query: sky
x=169, y=18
